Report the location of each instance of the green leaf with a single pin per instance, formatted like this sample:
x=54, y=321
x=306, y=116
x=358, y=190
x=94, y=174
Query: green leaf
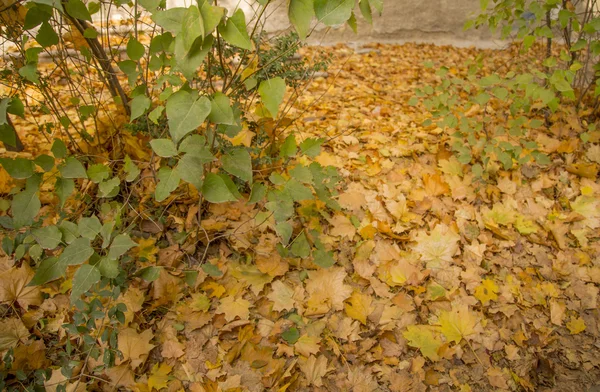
x=194, y=144
x=288, y=147
x=234, y=31
x=311, y=146
x=36, y=15
x=120, y=245
x=285, y=231
x=211, y=16
x=500, y=92
x=257, y=193
x=212, y=270
x=323, y=258
x=46, y=162
x=301, y=13
x=163, y=147
x=168, y=181
x=189, y=62
x=170, y=19
x=139, y=104
x=78, y=10
x=90, y=32
x=25, y=206
x=77, y=252
x=16, y=107
x=150, y=5
x=106, y=233
x=300, y=247
x=302, y=174
x=333, y=12
x=48, y=270
x=193, y=28
x=72, y=168
x=135, y=50
x=185, y=113
x=29, y=72
x=191, y=169
x=506, y=159
x=377, y=4
x=298, y=191
x=69, y=230
x=239, y=163
x=8, y=135
x=89, y=227
x=150, y=274
x=18, y=168
x=221, y=111
x=353, y=23
x=35, y=252
x=108, y=267
x=49, y=237
x=271, y=93
x=155, y=114
x=3, y=110
x=63, y=188
x=59, y=149
x=98, y=173
x=46, y=35
x=131, y=169
x=365, y=9
x=85, y=277
x=291, y=335
x=216, y=189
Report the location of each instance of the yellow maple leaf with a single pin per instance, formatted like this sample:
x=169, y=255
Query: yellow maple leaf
x=458, y=323
x=435, y=185
x=272, y=265
x=244, y=137
x=133, y=299
x=13, y=287
x=199, y=302
x=314, y=368
x=251, y=275
x=438, y=247
x=134, y=346
x=576, y=325
x=146, y=249
x=159, y=376
x=282, y=296
x=525, y=226
x=307, y=345
x=120, y=376
x=500, y=214
x=487, y=291
x=397, y=272
x=359, y=306
x=58, y=381
x=342, y=227
x=326, y=290
x=232, y=308
x=213, y=289
x=421, y=337
x=12, y=331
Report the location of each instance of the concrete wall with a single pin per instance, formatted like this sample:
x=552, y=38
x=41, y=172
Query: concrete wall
x=433, y=21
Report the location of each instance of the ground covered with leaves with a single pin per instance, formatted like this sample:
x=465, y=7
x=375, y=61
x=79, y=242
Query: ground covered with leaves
x=441, y=281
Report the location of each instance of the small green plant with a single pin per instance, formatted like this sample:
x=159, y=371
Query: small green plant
x=491, y=119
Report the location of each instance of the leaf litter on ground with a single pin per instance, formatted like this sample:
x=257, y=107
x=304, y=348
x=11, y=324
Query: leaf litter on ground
x=439, y=282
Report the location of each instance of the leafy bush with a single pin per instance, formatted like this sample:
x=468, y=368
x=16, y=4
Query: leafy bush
x=207, y=95
x=492, y=119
